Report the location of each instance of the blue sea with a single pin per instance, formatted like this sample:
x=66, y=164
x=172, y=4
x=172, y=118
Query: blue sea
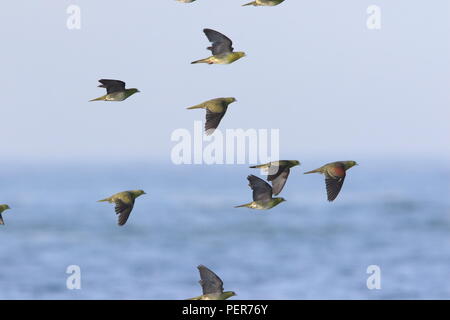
x=394, y=214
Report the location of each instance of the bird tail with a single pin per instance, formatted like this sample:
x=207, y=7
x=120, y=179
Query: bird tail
x=206, y=60
x=253, y=3
x=313, y=171
x=102, y=98
x=105, y=200
x=198, y=106
x=244, y=205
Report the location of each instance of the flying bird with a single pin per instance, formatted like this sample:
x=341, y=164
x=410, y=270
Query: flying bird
x=262, y=195
x=334, y=173
x=115, y=90
x=277, y=173
x=124, y=202
x=212, y=286
x=222, y=50
x=3, y=207
x=215, y=110
x=264, y=3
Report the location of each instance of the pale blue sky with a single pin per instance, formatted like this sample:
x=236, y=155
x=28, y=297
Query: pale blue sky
x=313, y=70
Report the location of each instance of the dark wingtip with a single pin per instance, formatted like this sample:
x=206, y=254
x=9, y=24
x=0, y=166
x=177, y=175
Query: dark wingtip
x=332, y=196
x=207, y=30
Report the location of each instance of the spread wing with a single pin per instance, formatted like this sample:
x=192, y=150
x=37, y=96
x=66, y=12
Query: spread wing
x=112, y=85
x=334, y=179
x=210, y=282
x=220, y=43
x=123, y=209
x=279, y=179
x=212, y=120
x=262, y=191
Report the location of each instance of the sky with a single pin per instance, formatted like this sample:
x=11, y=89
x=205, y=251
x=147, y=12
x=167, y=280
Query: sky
x=313, y=70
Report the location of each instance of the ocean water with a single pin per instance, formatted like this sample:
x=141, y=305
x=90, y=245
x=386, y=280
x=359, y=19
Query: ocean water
x=395, y=215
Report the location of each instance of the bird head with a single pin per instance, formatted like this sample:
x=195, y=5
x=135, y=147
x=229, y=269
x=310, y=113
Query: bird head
x=6, y=207
x=295, y=163
x=228, y=294
x=138, y=193
x=280, y=200
x=349, y=164
x=230, y=100
x=133, y=91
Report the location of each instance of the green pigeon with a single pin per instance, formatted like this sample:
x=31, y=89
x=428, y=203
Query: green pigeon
x=222, y=50
x=215, y=110
x=264, y=3
x=277, y=173
x=212, y=286
x=115, y=90
x=262, y=195
x=124, y=202
x=3, y=207
x=334, y=173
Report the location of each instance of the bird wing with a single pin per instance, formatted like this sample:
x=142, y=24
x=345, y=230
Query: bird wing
x=112, y=85
x=123, y=208
x=262, y=191
x=334, y=179
x=210, y=282
x=220, y=43
x=212, y=120
x=279, y=179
